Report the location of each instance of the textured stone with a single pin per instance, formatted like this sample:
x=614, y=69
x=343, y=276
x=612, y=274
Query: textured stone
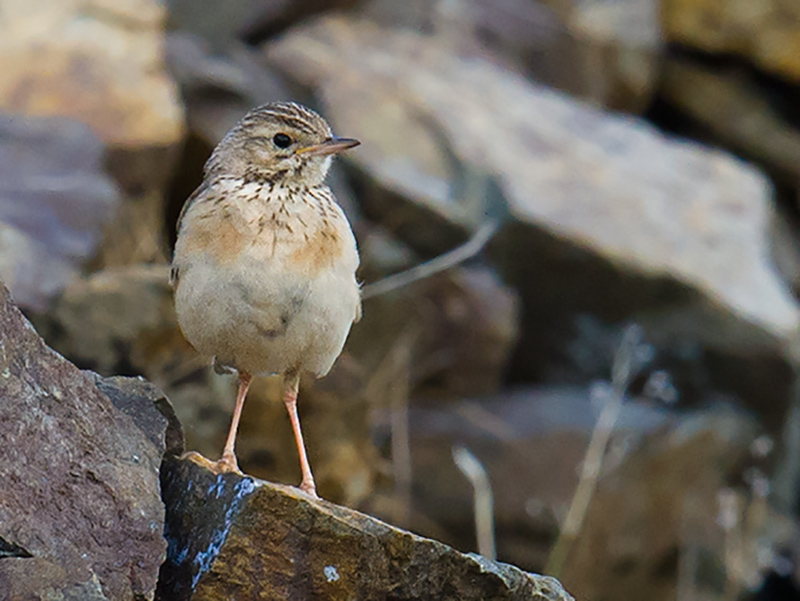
x=604, y=215
x=80, y=507
x=55, y=201
x=232, y=537
x=767, y=32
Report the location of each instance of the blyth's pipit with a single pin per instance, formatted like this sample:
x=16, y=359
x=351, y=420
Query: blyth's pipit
x=265, y=260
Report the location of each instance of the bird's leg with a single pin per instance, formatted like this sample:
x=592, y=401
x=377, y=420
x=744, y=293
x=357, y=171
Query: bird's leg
x=228, y=461
x=291, y=384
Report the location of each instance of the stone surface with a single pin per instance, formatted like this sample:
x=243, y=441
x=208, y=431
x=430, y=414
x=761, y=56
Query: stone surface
x=606, y=51
x=80, y=506
x=605, y=216
x=101, y=62
x=616, y=48
x=223, y=25
x=118, y=321
x=767, y=33
x=55, y=202
x=728, y=103
x=232, y=537
x=462, y=325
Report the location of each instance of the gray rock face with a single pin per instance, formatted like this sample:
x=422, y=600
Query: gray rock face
x=54, y=203
x=80, y=510
x=605, y=216
x=232, y=537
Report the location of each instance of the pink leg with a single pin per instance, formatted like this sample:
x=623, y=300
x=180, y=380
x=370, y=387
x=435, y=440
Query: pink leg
x=228, y=461
x=291, y=385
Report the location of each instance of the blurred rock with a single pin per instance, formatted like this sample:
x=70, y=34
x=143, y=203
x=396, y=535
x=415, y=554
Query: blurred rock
x=219, y=88
x=102, y=63
x=731, y=106
x=661, y=468
x=462, y=325
x=606, y=51
x=81, y=515
x=767, y=33
x=55, y=201
x=248, y=21
x=605, y=216
x=235, y=537
x=616, y=49
x=118, y=321
x=59, y=61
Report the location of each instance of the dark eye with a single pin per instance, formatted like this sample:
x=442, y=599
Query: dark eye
x=282, y=140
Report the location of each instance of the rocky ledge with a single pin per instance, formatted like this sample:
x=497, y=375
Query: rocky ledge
x=235, y=537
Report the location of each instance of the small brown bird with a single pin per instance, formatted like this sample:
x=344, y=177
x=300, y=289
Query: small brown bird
x=265, y=260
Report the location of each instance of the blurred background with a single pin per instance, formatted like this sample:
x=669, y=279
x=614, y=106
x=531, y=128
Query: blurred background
x=604, y=197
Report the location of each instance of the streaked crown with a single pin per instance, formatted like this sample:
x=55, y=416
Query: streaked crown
x=277, y=142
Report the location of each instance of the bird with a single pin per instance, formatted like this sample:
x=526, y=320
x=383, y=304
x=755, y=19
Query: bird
x=265, y=260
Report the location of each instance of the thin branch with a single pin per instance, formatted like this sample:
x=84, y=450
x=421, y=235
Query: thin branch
x=449, y=259
x=630, y=358
x=473, y=469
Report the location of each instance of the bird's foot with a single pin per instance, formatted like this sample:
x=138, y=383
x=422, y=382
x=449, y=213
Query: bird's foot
x=225, y=465
x=309, y=488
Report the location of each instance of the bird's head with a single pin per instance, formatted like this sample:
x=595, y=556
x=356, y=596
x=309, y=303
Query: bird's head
x=280, y=141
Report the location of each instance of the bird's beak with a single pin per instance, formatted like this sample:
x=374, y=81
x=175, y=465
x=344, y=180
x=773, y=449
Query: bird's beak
x=329, y=146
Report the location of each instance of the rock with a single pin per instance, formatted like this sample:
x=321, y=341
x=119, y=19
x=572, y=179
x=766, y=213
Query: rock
x=118, y=321
x=616, y=49
x=601, y=50
x=55, y=202
x=766, y=33
x=102, y=63
x=729, y=104
x=243, y=20
x=234, y=537
x=661, y=467
x=461, y=326
x=604, y=216
x=81, y=510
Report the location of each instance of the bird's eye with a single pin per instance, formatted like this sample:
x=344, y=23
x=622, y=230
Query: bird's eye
x=281, y=140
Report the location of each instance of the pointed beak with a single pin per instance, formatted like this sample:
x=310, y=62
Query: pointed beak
x=329, y=146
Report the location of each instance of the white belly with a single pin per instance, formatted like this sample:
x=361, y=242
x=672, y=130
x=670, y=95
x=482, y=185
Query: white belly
x=263, y=319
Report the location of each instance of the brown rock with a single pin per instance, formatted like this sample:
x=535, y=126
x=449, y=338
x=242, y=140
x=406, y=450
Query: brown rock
x=601, y=50
x=604, y=215
x=102, y=63
x=55, y=202
x=232, y=537
x=735, y=110
x=766, y=33
x=80, y=506
x=462, y=325
x=616, y=49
